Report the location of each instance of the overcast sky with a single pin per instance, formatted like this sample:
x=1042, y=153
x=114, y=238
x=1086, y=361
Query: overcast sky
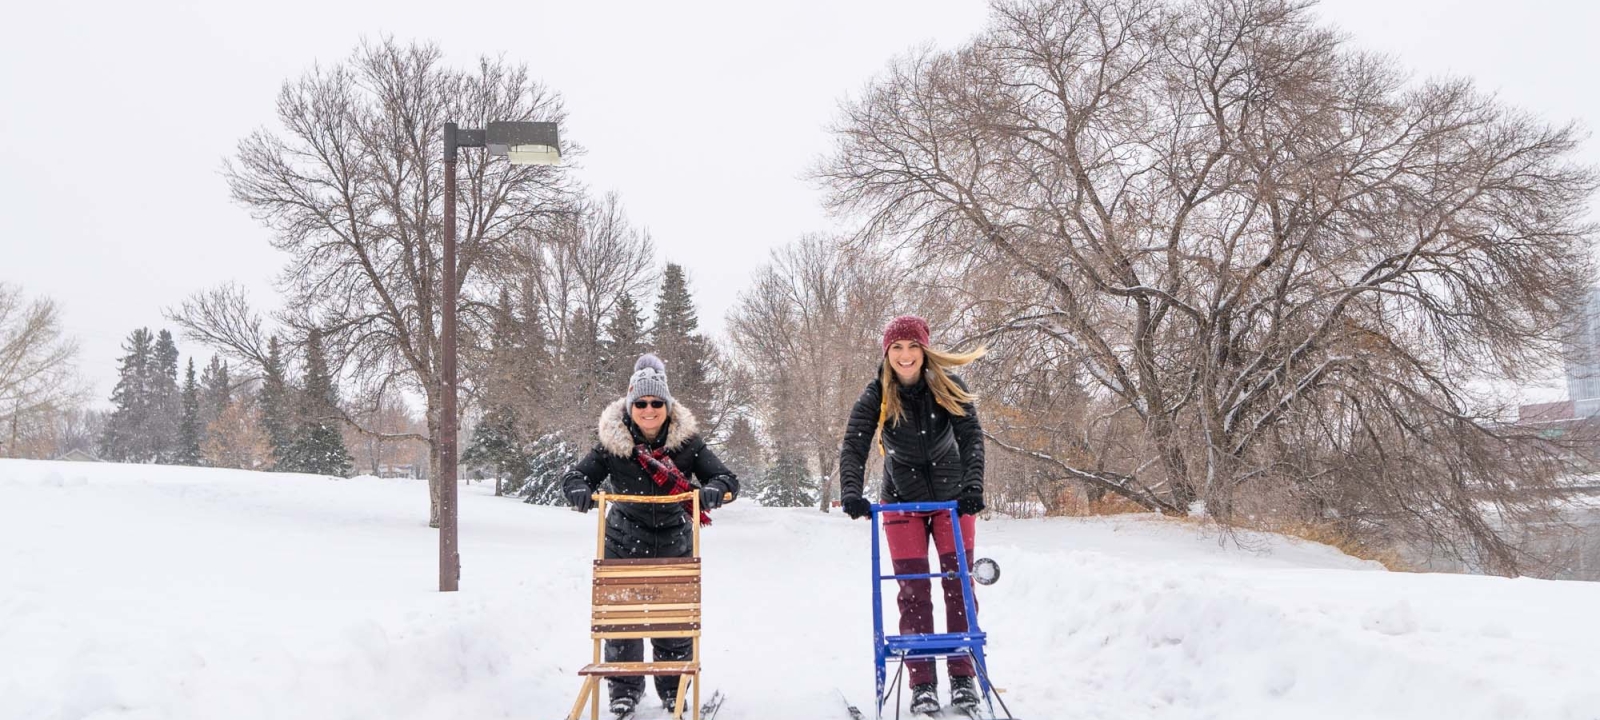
x=115, y=118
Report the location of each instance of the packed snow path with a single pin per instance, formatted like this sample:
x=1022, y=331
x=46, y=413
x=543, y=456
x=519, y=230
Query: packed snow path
x=134, y=592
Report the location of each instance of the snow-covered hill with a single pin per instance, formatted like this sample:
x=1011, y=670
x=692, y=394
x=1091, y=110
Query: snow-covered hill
x=134, y=592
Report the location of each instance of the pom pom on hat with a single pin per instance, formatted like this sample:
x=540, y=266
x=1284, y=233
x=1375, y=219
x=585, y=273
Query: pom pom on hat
x=649, y=360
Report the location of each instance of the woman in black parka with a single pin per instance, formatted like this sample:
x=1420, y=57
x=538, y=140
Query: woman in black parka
x=649, y=445
x=933, y=452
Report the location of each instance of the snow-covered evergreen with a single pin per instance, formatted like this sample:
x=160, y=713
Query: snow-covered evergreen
x=788, y=482
x=549, y=458
x=496, y=444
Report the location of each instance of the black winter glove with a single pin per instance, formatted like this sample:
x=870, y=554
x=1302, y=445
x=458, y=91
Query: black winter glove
x=970, y=502
x=856, y=507
x=580, y=498
x=711, y=497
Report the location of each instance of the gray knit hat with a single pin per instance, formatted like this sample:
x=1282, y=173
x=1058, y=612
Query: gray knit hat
x=649, y=378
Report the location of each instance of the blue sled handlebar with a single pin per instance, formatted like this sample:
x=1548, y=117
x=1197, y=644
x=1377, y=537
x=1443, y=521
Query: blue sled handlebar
x=913, y=507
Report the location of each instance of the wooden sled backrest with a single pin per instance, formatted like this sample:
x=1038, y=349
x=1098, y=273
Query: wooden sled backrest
x=646, y=598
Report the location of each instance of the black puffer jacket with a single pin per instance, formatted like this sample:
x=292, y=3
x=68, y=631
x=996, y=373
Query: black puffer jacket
x=932, y=456
x=611, y=462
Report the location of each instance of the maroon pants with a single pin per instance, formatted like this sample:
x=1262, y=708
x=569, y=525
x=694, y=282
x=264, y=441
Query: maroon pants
x=908, y=535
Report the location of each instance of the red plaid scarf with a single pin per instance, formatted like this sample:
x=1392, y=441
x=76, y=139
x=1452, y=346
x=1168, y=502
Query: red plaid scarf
x=658, y=463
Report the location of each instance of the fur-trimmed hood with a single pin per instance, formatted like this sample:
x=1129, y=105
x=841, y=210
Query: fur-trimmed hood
x=618, y=440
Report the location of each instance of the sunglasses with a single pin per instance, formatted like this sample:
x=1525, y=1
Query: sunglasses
x=642, y=404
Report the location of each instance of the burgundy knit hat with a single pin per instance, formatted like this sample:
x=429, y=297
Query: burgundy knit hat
x=905, y=327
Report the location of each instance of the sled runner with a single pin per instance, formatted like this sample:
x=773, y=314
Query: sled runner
x=644, y=598
x=901, y=648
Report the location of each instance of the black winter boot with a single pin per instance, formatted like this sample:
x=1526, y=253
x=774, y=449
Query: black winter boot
x=963, y=692
x=925, y=699
x=622, y=706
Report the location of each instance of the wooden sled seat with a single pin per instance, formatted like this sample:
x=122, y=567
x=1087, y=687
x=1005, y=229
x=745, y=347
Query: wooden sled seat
x=640, y=668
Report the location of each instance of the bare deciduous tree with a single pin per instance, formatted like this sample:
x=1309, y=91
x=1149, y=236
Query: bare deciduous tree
x=808, y=333
x=223, y=318
x=38, y=380
x=352, y=186
x=584, y=260
x=1251, y=241
x=383, y=433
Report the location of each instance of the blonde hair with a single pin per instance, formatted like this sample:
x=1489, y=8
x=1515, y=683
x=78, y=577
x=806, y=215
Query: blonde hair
x=936, y=368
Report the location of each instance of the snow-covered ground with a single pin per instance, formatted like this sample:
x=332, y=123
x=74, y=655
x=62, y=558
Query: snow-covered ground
x=135, y=592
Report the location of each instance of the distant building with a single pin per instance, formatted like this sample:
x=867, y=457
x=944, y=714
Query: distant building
x=1540, y=413
x=1583, y=360
x=405, y=470
x=78, y=455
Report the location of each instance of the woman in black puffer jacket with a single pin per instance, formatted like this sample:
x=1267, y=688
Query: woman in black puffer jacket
x=933, y=452
x=649, y=445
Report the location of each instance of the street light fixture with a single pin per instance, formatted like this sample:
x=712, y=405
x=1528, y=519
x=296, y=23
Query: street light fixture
x=525, y=143
x=522, y=143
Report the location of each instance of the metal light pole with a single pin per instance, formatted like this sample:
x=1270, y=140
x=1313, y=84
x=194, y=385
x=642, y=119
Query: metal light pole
x=523, y=143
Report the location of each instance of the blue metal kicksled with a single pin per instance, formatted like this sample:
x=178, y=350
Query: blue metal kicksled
x=902, y=648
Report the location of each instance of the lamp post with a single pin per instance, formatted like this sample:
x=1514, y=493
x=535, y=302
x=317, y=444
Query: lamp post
x=522, y=143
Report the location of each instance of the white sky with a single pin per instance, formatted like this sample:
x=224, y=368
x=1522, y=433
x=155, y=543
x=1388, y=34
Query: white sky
x=115, y=118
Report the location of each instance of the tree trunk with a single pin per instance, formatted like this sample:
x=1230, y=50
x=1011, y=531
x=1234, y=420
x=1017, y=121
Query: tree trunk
x=825, y=493
x=435, y=481
x=1176, y=469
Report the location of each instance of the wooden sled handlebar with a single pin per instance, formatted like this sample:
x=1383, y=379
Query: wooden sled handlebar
x=692, y=496
x=654, y=499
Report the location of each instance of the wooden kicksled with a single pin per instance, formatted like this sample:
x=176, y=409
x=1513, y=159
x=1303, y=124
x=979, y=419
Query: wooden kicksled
x=646, y=598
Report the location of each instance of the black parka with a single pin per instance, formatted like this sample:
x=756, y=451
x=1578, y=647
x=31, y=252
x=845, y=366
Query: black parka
x=642, y=530
x=930, y=456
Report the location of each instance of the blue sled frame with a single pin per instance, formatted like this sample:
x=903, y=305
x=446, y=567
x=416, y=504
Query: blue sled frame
x=932, y=645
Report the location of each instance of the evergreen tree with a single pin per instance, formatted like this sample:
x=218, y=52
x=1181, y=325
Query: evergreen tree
x=496, y=439
x=583, y=365
x=499, y=381
x=505, y=319
x=216, y=392
x=742, y=453
x=548, y=460
x=675, y=313
x=679, y=344
x=277, y=403
x=189, y=424
x=317, y=446
x=531, y=363
x=497, y=444
x=126, y=437
x=166, y=403
x=625, y=342
x=789, y=482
